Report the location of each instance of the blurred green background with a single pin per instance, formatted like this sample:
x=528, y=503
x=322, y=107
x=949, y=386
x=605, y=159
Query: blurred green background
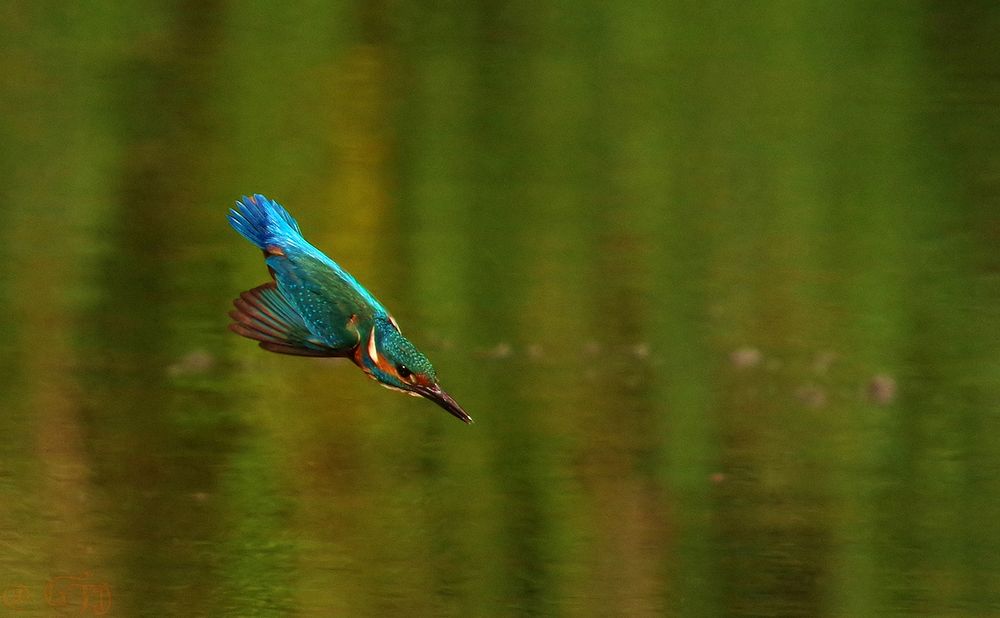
x=719, y=282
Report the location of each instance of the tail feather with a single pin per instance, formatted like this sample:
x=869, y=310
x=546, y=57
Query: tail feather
x=263, y=222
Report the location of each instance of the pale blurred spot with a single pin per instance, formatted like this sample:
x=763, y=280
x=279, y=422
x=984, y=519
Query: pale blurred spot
x=745, y=357
x=823, y=361
x=194, y=363
x=500, y=350
x=882, y=389
x=811, y=396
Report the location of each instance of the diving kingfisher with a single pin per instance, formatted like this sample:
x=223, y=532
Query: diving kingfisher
x=313, y=307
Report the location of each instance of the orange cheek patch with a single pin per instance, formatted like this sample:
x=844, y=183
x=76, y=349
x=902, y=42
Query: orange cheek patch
x=378, y=359
x=387, y=367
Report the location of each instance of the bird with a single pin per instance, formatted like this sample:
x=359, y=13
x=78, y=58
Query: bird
x=313, y=307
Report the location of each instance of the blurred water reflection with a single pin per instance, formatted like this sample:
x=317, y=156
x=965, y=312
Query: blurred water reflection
x=719, y=284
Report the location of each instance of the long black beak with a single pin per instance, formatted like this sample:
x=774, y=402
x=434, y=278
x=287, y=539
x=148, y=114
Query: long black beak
x=443, y=399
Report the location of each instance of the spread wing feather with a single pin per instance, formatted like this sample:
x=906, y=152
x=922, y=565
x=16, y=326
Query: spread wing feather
x=316, y=304
x=330, y=301
x=263, y=314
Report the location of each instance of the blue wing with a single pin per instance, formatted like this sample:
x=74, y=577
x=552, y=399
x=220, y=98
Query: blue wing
x=264, y=315
x=331, y=303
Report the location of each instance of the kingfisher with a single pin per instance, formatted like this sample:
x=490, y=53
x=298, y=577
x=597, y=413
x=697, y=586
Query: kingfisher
x=313, y=307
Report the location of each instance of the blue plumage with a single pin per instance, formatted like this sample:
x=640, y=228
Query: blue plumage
x=264, y=222
x=293, y=261
x=316, y=308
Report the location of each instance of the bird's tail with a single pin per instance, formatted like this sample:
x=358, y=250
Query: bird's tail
x=264, y=222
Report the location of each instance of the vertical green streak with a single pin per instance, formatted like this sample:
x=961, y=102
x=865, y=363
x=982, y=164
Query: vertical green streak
x=457, y=202
x=159, y=430
x=954, y=338
x=651, y=124
x=56, y=162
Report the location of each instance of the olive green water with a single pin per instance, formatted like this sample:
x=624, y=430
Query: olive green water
x=720, y=284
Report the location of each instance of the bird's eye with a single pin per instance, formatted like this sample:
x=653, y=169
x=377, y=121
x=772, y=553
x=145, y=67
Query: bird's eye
x=403, y=372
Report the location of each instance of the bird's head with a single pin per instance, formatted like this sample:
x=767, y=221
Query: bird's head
x=389, y=358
